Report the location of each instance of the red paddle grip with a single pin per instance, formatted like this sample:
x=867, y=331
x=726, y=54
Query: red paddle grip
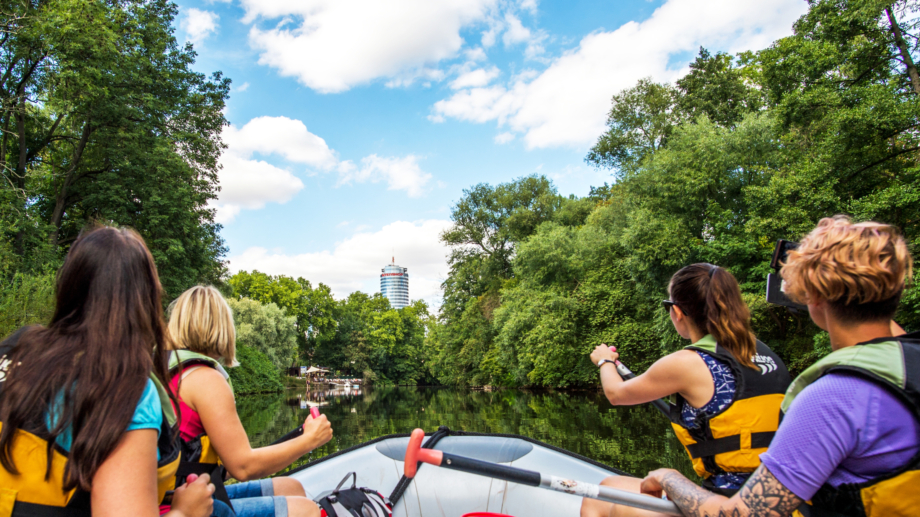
x=314, y=412
x=415, y=454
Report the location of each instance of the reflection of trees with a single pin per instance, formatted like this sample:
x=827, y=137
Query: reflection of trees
x=635, y=439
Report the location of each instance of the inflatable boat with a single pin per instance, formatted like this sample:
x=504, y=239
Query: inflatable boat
x=439, y=492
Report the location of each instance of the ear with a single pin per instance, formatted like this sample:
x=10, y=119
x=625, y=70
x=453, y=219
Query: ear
x=678, y=314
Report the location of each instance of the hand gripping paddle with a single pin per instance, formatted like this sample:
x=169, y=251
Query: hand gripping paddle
x=415, y=454
x=314, y=412
x=626, y=374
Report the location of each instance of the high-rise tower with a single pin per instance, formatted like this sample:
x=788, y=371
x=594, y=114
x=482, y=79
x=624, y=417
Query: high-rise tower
x=394, y=284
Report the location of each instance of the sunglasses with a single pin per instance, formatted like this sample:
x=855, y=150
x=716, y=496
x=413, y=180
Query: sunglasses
x=667, y=304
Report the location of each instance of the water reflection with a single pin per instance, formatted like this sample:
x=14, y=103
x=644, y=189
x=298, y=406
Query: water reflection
x=318, y=398
x=636, y=439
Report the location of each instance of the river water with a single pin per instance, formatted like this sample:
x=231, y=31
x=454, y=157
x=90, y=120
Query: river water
x=633, y=439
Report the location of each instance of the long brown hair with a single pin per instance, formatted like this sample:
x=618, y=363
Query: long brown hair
x=89, y=367
x=710, y=297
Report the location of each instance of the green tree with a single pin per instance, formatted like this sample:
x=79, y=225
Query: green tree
x=265, y=328
x=103, y=119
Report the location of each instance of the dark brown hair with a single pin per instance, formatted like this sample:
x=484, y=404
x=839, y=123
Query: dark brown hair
x=710, y=297
x=90, y=365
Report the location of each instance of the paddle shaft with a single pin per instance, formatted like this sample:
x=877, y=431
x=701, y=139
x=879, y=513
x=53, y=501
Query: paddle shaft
x=568, y=486
x=660, y=405
x=314, y=412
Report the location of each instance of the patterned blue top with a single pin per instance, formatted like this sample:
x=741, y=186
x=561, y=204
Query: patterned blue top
x=724, y=380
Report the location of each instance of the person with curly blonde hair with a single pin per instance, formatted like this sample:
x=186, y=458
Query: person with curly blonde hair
x=849, y=443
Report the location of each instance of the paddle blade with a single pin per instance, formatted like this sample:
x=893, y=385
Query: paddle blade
x=411, y=461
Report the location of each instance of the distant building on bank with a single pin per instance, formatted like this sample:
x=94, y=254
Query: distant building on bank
x=394, y=284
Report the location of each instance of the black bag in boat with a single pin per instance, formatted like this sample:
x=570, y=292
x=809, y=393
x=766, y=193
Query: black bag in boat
x=354, y=501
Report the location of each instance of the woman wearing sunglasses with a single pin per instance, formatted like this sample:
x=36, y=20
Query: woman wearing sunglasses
x=728, y=385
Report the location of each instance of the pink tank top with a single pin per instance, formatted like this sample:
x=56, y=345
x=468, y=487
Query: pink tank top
x=190, y=424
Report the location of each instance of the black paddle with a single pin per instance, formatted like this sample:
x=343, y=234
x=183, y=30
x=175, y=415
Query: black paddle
x=626, y=374
x=314, y=412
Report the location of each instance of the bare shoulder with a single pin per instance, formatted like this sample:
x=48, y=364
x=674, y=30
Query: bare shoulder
x=679, y=362
x=204, y=382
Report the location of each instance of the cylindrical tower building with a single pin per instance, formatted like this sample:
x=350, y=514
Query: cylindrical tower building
x=394, y=284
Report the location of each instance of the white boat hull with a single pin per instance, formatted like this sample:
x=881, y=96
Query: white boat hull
x=440, y=492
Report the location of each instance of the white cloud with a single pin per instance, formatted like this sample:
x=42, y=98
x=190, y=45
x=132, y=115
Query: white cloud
x=504, y=138
x=199, y=24
x=399, y=173
x=478, y=77
x=333, y=45
x=475, y=54
x=282, y=136
x=251, y=184
x=243, y=87
x=516, y=32
x=354, y=263
x=567, y=104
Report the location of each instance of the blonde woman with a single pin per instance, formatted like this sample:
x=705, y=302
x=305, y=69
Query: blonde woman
x=201, y=326
x=850, y=439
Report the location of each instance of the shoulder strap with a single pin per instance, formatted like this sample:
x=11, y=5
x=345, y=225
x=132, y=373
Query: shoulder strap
x=882, y=360
x=181, y=358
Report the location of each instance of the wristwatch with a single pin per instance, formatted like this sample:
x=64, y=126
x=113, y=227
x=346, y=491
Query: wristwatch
x=602, y=362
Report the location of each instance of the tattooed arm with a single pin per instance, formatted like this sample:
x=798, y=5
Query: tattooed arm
x=761, y=495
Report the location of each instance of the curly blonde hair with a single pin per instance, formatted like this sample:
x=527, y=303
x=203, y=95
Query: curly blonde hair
x=860, y=269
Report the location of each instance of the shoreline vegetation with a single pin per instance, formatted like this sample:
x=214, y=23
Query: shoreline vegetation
x=743, y=150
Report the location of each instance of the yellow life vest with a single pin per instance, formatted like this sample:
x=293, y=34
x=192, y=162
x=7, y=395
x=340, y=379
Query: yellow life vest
x=29, y=493
x=734, y=439
x=895, y=364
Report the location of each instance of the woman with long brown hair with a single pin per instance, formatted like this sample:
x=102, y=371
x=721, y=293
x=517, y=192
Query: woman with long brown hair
x=85, y=423
x=728, y=385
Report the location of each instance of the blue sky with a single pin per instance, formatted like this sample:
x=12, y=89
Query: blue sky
x=356, y=124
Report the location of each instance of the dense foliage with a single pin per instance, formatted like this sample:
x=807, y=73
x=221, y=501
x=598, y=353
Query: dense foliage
x=255, y=374
x=359, y=336
x=265, y=328
x=102, y=119
x=742, y=151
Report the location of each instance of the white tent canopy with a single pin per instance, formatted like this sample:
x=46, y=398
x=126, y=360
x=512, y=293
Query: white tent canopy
x=314, y=369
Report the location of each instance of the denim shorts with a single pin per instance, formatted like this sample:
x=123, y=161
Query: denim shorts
x=257, y=499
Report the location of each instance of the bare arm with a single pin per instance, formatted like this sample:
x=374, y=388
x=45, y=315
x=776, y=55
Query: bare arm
x=126, y=482
x=681, y=372
x=761, y=496
x=206, y=391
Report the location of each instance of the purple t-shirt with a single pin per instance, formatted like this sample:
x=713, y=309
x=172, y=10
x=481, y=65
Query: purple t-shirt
x=841, y=429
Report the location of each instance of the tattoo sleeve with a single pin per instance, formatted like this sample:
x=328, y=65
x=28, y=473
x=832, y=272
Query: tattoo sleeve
x=761, y=495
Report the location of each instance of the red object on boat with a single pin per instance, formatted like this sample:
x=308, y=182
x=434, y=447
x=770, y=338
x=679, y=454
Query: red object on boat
x=486, y=514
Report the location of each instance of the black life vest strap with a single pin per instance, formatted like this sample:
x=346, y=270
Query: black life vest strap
x=731, y=443
x=79, y=506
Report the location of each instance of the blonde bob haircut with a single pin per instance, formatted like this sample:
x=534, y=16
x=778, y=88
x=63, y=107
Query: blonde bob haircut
x=200, y=320
x=860, y=269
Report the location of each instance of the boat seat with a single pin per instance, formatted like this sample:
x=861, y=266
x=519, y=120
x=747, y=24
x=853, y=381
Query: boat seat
x=494, y=450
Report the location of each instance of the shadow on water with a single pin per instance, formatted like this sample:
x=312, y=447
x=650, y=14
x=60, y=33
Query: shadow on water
x=634, y=439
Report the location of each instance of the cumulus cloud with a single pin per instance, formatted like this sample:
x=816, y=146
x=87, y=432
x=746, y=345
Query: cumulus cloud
x=478, y=77
x=567, y=104
x=399, y=173
x=283, y=136
x=249, y=183
x=354, y=263
x=199, y=24
x=504, y=138
x=333, y=45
